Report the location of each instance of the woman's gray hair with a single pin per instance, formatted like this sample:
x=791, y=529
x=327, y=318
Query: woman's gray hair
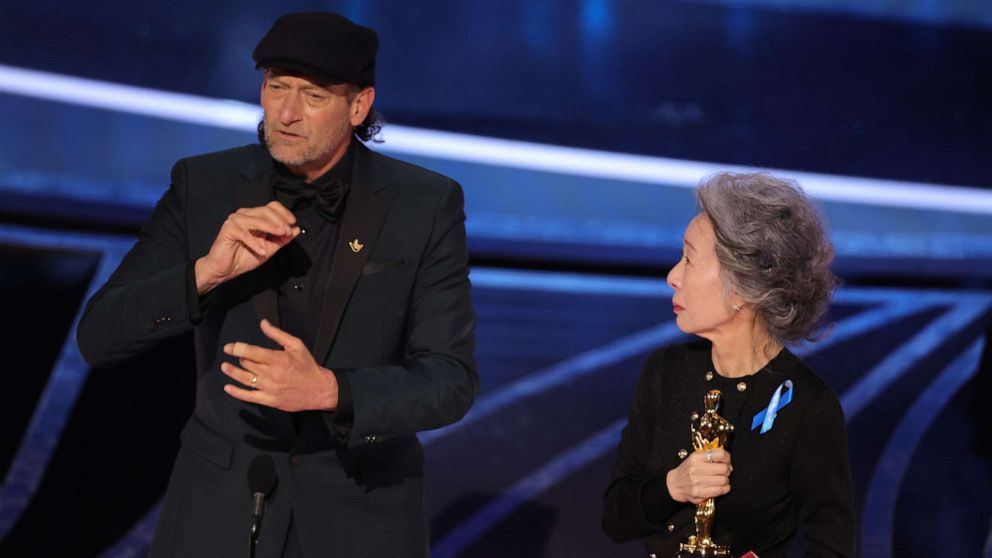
x=773, y=250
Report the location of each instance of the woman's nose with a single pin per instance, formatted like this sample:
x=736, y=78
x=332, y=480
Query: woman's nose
x=673, y=274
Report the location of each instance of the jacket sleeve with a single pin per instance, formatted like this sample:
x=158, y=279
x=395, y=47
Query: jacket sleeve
x=437, y=382
x=148, y=298
x=637, y=502
x=821, y=480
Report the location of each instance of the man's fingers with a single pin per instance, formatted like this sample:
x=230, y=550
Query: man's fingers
x=275, y=216
x=240, y=375
x=258, y=223
x=261, y=223
x=245, y=351
x=273, y=211
x=278, y=242
x=282, y=210
x=284, y=339
x=237, y=228
x=257, y=245
x=262, y=230
x=248, y=396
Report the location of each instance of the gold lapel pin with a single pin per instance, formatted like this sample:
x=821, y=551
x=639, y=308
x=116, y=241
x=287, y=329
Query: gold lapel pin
x=356, y=246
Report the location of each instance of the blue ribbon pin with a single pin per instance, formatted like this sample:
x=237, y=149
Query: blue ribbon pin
x=781, y=398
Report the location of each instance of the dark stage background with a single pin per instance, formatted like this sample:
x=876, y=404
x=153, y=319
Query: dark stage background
x=577, y=128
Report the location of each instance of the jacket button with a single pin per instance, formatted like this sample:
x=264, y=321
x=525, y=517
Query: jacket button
x=370, y=438
x=671, y=527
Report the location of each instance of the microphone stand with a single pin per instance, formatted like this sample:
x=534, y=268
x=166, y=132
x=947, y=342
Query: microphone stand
x=262, y=478
x=258, y=505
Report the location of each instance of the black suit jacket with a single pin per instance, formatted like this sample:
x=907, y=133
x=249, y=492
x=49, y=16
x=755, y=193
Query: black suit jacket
x=396, y=320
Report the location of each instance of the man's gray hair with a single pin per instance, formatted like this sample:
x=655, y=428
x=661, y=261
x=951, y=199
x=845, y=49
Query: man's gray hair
x=773, y=250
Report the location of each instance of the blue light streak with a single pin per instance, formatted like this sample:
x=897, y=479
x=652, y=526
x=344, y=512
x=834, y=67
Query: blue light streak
x=240, y=116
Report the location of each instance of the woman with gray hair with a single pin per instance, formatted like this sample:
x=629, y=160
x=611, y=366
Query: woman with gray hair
x=754, y=276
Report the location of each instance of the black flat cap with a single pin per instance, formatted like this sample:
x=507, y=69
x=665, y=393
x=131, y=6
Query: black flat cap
x=323, y=45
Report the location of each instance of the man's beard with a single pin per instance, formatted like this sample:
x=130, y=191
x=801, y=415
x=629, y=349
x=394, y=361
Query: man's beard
x=301, y=153
x=291, y=155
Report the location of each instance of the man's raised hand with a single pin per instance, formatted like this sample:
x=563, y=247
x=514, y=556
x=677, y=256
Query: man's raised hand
x=247, y=239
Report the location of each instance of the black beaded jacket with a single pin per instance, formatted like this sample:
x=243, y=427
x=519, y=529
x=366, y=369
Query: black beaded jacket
x=795, y=475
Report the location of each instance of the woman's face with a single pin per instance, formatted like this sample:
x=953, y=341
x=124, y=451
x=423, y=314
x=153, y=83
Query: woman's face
x=701, y=308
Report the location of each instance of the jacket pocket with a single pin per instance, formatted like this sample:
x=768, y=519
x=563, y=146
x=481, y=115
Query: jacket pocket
x=375, y=267
x=208, y=444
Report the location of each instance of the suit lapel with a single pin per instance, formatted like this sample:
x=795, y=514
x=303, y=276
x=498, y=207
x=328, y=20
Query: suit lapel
x=254, y=192
x=364, y=212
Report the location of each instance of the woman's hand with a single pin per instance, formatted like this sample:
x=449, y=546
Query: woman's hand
x=704, y=474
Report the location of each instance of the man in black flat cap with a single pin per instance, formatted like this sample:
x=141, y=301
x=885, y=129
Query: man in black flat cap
x=327, y=286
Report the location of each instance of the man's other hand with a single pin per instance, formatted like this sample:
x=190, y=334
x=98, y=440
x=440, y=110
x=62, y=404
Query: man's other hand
x=288, y=379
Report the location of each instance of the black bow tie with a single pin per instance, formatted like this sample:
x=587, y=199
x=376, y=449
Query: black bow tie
x=326, y=199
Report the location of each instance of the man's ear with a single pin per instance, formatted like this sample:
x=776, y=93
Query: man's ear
x=361, y=104
x=265, y=79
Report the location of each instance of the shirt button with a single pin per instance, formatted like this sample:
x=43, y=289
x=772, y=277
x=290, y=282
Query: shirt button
x=741, y=386
x=297, y=287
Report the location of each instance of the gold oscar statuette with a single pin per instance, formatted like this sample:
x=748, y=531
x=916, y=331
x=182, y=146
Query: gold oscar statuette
x=710, y=431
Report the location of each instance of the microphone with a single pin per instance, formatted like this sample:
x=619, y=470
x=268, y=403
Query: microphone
x=262, y=478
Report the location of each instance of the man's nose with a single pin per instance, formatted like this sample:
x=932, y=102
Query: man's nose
x=289, y=110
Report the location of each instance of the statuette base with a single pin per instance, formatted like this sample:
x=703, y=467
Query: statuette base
x=705, y=548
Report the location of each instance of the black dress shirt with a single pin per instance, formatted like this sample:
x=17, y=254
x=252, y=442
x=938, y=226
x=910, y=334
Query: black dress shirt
x=308, y=261
x=796, y=474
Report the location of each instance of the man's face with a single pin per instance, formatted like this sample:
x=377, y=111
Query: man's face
x=308, y=126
